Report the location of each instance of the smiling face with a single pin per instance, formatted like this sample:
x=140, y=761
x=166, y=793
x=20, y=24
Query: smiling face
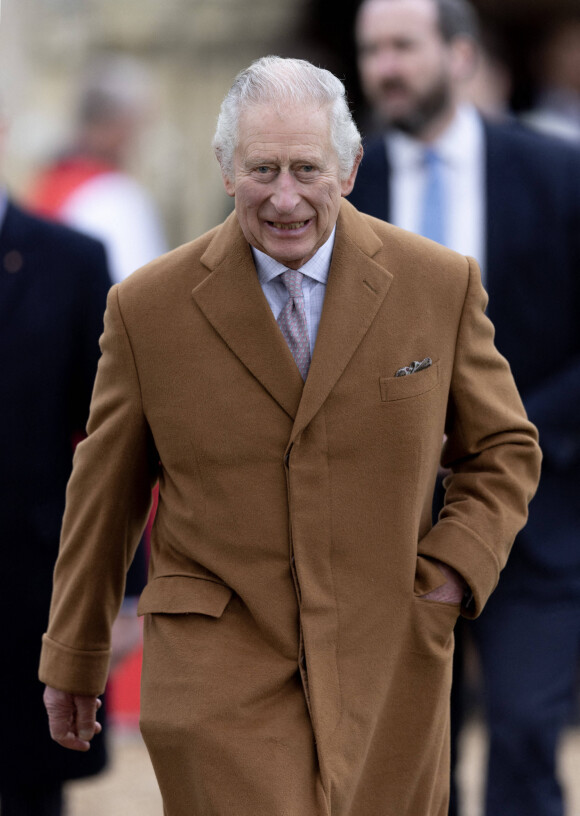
x=286, y=181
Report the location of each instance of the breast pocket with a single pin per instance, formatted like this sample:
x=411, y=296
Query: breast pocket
x=184, y=595
x=412, y=385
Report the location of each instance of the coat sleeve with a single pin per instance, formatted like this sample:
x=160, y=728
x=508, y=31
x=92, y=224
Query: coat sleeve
x=108, y=500
x=492, y=452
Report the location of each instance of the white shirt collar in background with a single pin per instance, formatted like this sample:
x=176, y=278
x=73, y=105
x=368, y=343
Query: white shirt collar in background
x=462, y=150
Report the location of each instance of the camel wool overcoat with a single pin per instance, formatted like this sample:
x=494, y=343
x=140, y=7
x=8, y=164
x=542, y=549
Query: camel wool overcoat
x=291, y=667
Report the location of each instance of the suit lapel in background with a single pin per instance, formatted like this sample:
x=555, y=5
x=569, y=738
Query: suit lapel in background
x=371, y=192
x=497, y=170
x=512, y=215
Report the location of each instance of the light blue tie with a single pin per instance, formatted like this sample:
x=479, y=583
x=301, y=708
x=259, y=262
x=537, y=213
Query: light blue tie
x=434, y=203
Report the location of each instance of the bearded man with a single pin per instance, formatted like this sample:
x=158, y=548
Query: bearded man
x=510, y=198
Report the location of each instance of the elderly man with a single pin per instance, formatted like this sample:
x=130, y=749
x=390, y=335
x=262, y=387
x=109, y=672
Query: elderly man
x=287, y=378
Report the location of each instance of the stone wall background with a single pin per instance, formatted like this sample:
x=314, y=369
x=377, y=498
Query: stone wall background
x=192, y=49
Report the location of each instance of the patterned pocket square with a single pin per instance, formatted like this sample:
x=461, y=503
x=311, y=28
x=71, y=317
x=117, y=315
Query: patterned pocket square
x=413, y=367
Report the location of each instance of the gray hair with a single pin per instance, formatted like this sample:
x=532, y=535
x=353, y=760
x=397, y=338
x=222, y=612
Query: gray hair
x=280, y=81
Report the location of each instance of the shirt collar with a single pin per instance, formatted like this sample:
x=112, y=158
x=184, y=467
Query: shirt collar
x=316, y=268
x=458, y=145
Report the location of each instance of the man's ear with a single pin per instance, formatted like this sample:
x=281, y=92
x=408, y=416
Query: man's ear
x=347, y=184
x=228, y=184
x=464, y=57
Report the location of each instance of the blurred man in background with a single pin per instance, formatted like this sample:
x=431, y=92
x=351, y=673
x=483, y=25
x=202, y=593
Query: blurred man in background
x=88, y=186
x=557, y=106
x=511, y=199
x=53, y=289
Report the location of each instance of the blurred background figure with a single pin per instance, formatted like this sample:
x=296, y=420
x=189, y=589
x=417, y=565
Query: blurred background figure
x=511, y=198
x=557, y=73
x=53, y=286
x=489, y=86
x=87, y=186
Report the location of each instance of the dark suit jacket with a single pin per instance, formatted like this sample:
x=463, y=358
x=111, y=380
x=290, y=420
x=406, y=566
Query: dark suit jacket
x=53, y=288
x=533, y=280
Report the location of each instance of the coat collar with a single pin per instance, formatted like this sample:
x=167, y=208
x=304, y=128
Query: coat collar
x=232, y=300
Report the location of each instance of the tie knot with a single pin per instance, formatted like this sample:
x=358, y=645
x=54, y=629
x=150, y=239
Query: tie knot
x=292, y=280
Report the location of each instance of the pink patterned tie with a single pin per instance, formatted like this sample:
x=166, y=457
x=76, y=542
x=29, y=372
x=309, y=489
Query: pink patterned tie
x=292, y=320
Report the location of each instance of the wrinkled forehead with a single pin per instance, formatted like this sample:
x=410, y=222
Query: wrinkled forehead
x=295, y=123
x=395, y=16
x=284, y=113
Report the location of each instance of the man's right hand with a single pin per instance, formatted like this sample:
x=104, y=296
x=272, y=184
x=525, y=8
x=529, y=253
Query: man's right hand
x=72, y=718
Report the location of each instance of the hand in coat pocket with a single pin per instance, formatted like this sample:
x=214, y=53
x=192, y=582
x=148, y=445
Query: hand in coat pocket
x=452, y=591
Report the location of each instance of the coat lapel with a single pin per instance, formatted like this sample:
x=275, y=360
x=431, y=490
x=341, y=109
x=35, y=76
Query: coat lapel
x=356, y=288
x=232, y=300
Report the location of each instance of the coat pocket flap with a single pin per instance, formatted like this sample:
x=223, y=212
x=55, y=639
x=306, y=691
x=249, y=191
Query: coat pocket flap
x=398, y=388
x=184, y=594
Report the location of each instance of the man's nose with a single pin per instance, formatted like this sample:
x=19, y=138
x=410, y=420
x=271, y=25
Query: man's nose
x=285, y=195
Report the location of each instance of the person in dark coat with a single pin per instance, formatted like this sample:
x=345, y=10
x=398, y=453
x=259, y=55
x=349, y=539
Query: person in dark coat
x=53, y=288
x=511, y=198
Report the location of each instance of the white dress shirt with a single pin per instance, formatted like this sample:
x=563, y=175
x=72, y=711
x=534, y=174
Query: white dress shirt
x=315, y=273
x=462, y=151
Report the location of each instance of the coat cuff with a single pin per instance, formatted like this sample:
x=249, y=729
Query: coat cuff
x=73, y=670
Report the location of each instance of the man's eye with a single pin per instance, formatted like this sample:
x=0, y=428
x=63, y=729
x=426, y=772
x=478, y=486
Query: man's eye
x=262, y=170
x=306, y=171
